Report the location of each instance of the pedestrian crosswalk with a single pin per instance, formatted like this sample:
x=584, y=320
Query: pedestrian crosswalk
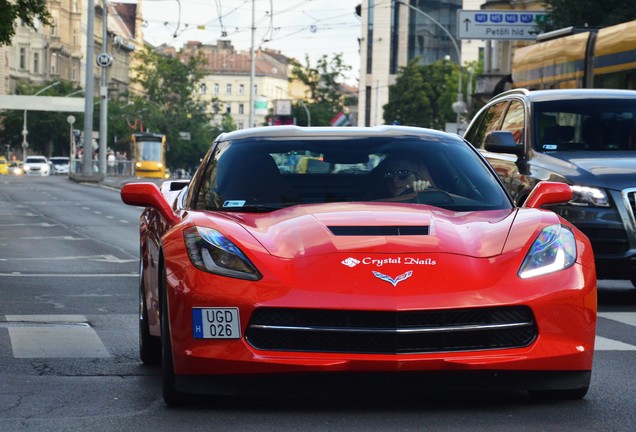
x=73, y=336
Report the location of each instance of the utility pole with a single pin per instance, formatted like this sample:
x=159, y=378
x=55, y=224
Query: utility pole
x=104, y=60
x=252, y=67
x=87, y=159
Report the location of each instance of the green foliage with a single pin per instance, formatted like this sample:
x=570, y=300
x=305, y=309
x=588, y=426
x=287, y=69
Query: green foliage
x=25, y=10
x=587, y=13
x=49, y=132
x=324, y=80
x=423, y=95
x=170, y=105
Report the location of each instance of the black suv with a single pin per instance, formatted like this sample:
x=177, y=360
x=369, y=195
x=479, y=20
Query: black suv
x=583, y=137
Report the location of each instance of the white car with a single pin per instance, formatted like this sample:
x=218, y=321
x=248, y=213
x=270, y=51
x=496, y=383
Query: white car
x=59, y=164
x=36, y=165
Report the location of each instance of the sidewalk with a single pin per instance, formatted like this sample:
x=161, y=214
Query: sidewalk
x=116, y=182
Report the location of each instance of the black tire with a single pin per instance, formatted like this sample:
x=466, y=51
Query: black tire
x=570, y=394
x=168, y=378
x=149, y=346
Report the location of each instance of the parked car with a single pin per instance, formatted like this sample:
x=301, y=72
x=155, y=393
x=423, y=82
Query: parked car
x=585, y=138
x=257, y=281
x=59, y=164
x=36, y=165
x=4, y=165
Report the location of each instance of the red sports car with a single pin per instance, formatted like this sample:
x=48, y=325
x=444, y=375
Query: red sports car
x=302, y=258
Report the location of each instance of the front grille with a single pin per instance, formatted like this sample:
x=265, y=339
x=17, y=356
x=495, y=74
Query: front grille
x=630, y=198
x=380, y=332
x=607, y=241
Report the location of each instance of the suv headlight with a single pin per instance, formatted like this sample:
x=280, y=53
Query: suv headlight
x=554, y=249
x=211, y=251
x=586, y=196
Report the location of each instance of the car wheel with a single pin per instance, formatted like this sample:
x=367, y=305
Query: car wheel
x=570, y=394
x=170, y=394
x=149, y=346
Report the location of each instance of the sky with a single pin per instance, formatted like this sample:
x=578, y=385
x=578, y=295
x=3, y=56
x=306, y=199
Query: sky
x=294, y=27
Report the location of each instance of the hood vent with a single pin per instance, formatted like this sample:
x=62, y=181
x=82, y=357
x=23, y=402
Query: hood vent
x=408, y=230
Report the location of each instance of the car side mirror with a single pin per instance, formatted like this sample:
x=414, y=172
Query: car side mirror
x=546, y=192
x=502, y=142
x=148, y=195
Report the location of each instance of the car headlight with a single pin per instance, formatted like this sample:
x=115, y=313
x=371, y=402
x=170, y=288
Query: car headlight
x=586, y=196
x=554, y=249
x=211, y=251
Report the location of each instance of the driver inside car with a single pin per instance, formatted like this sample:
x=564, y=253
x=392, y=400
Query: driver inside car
x=401, y=179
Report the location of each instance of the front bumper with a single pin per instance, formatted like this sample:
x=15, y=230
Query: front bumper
x=563, y=304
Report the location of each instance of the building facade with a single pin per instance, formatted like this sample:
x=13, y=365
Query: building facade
x=58, y=51
x=227, y=80
x=394, y=33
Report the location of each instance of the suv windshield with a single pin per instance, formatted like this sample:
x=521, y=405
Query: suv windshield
x=585, y=124
x=263, y=175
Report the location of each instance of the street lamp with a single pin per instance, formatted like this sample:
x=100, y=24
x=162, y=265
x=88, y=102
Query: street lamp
x=25, y=131
x=307, y=111
x=459, y=106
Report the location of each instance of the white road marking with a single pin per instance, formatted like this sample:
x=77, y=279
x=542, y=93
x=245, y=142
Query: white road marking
x=99, y=258
x=605, y=344
x=628, y=318
x=53, y=336
x=68, y=275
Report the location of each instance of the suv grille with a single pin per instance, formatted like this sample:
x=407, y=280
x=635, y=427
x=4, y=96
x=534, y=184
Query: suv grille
x=630, y=199
x=313, y=330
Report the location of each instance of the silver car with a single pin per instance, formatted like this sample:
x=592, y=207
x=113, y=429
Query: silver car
x=59, y=165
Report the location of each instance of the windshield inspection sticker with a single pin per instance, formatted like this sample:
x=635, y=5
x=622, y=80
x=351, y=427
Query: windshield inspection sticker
x=234, y=203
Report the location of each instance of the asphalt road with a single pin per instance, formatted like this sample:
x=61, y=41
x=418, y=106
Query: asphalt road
x=68, y=342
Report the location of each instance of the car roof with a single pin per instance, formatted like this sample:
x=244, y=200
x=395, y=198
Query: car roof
x=327, y=132
x=557, y=94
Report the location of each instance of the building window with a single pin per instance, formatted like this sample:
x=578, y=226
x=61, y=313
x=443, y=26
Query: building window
x=54, y=57
x=22, y=58
x=36, y=62
x=74, y=36
x=228, y=109
x=53, y=26
x=203, y=88
x=217, y=88
x=228, y=89
x=241, y=109
x=240, y=125
x=74, y=73
x=241, y=89
x=75, y=6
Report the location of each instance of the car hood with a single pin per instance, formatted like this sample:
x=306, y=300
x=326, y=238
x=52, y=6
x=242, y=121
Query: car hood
x=611, y=170
x=378, y=228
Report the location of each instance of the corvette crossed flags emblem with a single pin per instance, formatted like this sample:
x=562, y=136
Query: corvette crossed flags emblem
x=391, y=280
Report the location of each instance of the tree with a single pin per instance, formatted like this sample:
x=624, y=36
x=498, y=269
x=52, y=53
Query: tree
x=25, y=10
x=408, y=99
x=324, y=82
x=423, y=95
x=587, y=13
x=170, y=106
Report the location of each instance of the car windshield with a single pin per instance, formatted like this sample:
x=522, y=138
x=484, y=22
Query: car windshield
x=35, y=160
x=264, y=175
x=585, y=124
x=59, y=161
